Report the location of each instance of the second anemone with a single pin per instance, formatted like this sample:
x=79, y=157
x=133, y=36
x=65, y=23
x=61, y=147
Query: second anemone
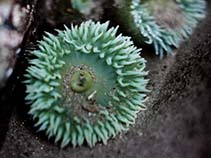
x=162, y=23
x=86, y=84
x=83, y=6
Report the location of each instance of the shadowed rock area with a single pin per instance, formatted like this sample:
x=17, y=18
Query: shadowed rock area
x=176, y=124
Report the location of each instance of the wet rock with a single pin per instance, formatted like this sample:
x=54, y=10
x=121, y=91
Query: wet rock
x=14, y=21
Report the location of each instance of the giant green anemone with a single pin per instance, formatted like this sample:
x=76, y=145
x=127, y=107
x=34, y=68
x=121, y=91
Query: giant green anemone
x=161, y=23
x=83, y=6
x=86, y=84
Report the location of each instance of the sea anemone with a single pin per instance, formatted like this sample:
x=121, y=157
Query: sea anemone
x=162, y=23
x=83, y=6
x=88, y=9
x=86, y=84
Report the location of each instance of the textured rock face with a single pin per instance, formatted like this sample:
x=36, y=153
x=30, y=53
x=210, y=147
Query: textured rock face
x=3, y=64
x=176, y=125
x=9, y=41
x=4, y=55
x=13, y=24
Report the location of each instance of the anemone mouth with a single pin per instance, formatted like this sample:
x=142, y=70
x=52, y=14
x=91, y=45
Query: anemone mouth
x=86, y=84
x=164, y=23
x=81, y=81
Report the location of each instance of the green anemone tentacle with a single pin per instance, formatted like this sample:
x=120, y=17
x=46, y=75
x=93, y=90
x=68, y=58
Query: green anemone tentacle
x=161, y=23
x=86, y=84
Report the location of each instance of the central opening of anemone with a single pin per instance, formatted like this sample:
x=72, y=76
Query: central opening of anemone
x=81, y=81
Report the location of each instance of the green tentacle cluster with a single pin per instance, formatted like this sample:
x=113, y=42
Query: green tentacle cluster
x=86, y=84
x=153, y=21
x=83, y=6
